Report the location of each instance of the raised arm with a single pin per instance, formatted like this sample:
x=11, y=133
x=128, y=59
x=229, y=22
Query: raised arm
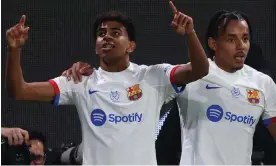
x=199, y=66
x=16, y=86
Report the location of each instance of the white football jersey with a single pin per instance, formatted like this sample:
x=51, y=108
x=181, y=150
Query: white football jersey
x=119, y=112
x=219, y=114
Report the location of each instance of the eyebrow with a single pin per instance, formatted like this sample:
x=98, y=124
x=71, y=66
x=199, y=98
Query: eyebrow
x=101, y=29
x=231, y=35
x=234, y=35
x=116, y=29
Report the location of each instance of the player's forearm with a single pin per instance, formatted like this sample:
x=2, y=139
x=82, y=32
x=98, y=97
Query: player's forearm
x=14, y=78
x=197, y=55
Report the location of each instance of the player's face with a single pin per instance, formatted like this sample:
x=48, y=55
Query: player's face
x=37, y=148
x=112, y=41
x=232, y=45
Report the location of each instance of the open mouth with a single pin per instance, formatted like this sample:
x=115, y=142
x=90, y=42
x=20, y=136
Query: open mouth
x=240, y=56
x=108, y=46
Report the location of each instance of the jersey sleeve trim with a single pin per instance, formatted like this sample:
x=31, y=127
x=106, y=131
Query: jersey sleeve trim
x=175, y=87
x=57, y=91
x=269, y=121
x=172, y=74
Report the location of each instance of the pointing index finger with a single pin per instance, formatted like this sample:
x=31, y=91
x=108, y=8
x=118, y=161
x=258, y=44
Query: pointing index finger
x=174, y=9
x=22, y=20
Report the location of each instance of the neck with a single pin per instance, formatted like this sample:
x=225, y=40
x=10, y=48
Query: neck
x=115, y=65
x=224, y=67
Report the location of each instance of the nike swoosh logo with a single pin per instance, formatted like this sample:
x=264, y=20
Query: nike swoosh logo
x=92, y=91
x=212, y=87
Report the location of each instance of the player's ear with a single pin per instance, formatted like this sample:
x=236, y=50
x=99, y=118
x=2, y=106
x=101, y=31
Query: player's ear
x=212, y=43
x=131, y=47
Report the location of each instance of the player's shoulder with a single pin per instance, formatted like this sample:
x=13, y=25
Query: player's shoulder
x=136, y=69
x=261, y=79
x=255, y=74
x=158, y=67
x=154, y=74
x=139, y=67
x=161, y=65
x=250, y=71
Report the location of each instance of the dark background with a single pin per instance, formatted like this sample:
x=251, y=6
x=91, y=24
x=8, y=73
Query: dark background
x=60, y=34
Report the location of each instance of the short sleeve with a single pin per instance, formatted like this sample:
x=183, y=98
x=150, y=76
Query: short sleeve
x=269, y=115
x=63, y=90
x=161, y=77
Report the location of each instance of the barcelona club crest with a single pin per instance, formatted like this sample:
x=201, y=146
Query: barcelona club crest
x=253, y=96
x=134, y=92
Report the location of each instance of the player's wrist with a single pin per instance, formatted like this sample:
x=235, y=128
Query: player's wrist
x=192, y=32
x=4, y=132
x=13, y=48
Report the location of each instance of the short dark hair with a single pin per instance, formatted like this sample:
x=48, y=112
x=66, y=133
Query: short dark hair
x=218, y=18
x=118, y=17
x=37, y=135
